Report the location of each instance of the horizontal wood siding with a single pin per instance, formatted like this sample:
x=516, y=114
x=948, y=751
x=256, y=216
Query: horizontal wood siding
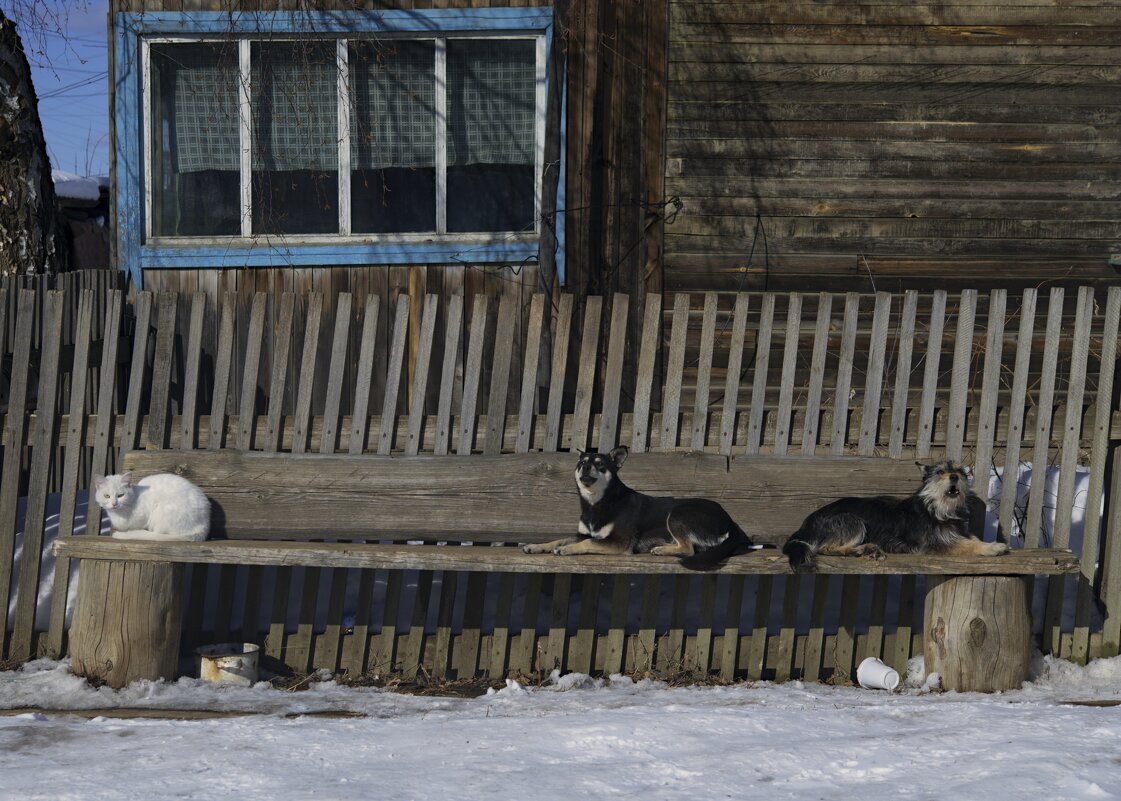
x=885, y=146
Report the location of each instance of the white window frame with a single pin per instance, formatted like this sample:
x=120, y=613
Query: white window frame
x=345, y=235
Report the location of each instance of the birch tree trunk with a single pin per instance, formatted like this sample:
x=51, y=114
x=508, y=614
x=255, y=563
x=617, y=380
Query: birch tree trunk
x=31, y=233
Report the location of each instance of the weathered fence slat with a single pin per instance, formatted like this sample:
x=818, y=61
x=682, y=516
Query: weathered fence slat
x=335, y=375
x=675, y=364
x=527, y=407
x=500, y=375
x=644, y=378
x=278, y=372
x=704, y=372
x=159, y=406
x=586, y=375
x=74, y=447
x=422, y=363
x=397, y=348
x=733, y=375
x=188, y=423
x=903, y=373
x=1099, y=451
x=472, y=375
x=222, y=371
x=1043, y=405
x=960, y=374
x=447, y=376
x=784, y=415
x=137, y=371
x=613, y=376
x=1010, y=474
x=760, y=364
x=1076, y=387
x=990, y=387
x=42, y=452
x=562, y=335
x=301, y=434
x=14, y=424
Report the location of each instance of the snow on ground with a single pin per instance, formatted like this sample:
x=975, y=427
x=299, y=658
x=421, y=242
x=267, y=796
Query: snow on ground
x=574, y=738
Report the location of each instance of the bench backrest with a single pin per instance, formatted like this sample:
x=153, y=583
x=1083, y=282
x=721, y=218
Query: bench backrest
x=504, y=498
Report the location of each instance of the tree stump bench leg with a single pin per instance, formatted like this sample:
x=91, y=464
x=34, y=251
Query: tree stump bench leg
x=977, y=632
x=127, y=621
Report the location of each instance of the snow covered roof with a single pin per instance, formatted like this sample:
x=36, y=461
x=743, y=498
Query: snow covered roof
x=76, y=187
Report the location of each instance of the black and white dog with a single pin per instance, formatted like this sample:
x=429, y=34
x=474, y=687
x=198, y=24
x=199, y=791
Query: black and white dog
x=615, y=519
x=935, y=519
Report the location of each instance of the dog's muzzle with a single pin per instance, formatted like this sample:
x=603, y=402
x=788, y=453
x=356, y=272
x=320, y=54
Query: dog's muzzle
x=588, y=480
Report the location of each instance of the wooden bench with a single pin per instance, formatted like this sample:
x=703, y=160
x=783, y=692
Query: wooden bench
x=366, y=511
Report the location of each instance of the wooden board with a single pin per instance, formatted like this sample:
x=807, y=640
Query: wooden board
x=280, y=496
x=1028, y=561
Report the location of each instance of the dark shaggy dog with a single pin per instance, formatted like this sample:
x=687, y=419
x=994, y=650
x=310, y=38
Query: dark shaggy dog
x=933, y=520
x=616, y=519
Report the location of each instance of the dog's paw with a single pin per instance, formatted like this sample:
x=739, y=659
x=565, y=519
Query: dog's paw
x=664, y=550
x=870, y=551
x=535, y=548
x=998, y=548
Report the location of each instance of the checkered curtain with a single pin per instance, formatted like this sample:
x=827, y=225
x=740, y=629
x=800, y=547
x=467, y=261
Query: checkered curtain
x=492, y=100
x=205, y=125
x=491, y=103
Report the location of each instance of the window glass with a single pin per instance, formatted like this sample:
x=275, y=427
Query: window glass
x=193, y=140
x=393, y=136
x=294, y=97
x=489, y=136
x=491, y=105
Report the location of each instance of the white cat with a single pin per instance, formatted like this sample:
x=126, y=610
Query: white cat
x=160, y=507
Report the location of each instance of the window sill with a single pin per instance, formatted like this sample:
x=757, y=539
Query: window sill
x=235, y=253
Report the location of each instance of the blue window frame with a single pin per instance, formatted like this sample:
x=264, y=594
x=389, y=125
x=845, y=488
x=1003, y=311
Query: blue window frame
x=269, y=139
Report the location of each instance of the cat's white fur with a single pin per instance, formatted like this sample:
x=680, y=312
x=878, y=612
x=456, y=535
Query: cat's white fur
x=160, y=507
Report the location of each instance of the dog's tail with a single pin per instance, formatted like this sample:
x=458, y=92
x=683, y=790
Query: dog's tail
x=713, y=558
x=800, y=554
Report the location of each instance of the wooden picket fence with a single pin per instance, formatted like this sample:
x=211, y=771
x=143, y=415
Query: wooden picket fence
x=991, y=379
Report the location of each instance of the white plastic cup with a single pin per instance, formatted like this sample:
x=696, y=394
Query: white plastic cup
x=873, y=674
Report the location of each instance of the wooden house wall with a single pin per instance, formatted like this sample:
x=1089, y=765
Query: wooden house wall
x=887, y=144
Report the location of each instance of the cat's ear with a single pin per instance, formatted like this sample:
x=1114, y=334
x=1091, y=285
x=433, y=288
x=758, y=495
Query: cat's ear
x=127, y=478
x=98, y=480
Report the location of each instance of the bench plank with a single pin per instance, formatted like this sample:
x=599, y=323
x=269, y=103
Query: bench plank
x=1023, y=562
x=501, y=497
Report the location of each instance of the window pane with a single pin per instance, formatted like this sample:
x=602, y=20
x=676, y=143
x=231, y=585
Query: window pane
x=295, y=138
x=194, y=140
x=393, y=137
x=492, y=101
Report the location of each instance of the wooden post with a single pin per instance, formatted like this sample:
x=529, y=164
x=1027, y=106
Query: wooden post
x=127, y=621
x=977, y=632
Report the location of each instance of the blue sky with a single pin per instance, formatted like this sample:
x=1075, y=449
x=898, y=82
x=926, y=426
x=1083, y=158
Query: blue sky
x=70, y=71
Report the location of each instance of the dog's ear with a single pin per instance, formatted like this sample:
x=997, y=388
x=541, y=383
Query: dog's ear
x=619, y=455
x=580, y=454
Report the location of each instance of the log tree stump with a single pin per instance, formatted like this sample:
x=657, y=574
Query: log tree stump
x=977, y=632
x=127, y=621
